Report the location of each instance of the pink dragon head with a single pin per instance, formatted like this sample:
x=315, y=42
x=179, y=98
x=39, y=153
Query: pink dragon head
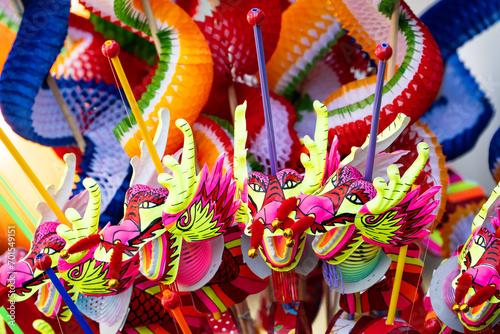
x=23, y=275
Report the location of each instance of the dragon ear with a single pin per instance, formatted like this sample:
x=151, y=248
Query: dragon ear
x=315, y=162
x=63, y=192
x=240, y=152
x=488, y=209
x=144, y=168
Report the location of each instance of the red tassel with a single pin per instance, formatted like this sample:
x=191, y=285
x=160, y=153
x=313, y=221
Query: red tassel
x=482, y=295
x=257, y=233
x=115, y=264
x=302, y=225
x=463, y=285
x=286, y=207
x=85, y=244
x=4, y=294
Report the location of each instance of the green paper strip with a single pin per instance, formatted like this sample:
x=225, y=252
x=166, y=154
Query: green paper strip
x=6, y=317
x=17, y=219
x=461, y=186
x=19, y=201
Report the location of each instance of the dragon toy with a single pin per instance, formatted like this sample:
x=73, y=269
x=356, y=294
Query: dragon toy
x=464, y=290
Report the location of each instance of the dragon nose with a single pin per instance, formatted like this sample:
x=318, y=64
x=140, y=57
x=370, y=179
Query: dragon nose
x=15, y=274
x=123, y=232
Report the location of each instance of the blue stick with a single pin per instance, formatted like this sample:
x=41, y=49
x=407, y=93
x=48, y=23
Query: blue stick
x=255, y=18
x=383, y=53
x=64, y=294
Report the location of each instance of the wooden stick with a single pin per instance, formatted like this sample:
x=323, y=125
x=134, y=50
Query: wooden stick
x=233, y=100
x=65, y=110
x=393, y=40
x=34, y=179
x=246, y=322
x=17, y=6
x=328, y=303
x=152, y=24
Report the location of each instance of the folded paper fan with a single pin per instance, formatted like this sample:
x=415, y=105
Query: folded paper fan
x=457, y=227
x=230, y=37
x=378, y=296
x=462, y=112
x=87, y=86
x=308, y=30
x=185, y=70
x=8, y=33
x=412, y=89
x=29, y=62
x=343, y=63
x=212, y=139
x=288, y=146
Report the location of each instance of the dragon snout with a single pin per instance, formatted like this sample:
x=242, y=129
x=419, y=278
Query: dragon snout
x=484, y=283
x=15, y=274
x=123, y=232
x=484, y=275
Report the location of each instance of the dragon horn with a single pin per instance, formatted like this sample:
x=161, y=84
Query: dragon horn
x=182, y=184
x=316, y=161
x=240, y=152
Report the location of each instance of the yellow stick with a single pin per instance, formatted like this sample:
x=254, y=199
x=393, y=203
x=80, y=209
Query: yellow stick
x=397, y=285
x=34, y=179
x=137, y=114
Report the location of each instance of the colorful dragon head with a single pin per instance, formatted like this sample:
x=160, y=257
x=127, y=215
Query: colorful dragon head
x=267, y=194
x=159, y=215
x=348, y=210
x=478, y=285
x=335, y=208
x=333, y=201
x=23, y=275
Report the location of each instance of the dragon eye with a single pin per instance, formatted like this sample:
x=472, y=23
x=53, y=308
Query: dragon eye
x=49, y=250
x=479, y=240
x=147, y=205
x=354, y=199
x=256, y=187
x=289, y=184
x=335, y=179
